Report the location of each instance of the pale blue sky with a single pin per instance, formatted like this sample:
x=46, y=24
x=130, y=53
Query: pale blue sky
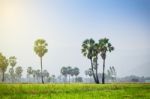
x=64, y=24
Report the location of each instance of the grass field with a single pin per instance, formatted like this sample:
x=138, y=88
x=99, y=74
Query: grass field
x=74, y=91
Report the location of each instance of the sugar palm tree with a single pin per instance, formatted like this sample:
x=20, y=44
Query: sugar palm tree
x=104, y=47
x=40, y=49
x=90, y=50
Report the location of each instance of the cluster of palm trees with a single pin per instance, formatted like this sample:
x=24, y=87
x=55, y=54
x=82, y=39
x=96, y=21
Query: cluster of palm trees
x=36, y=74
x=92, y=50
x=14, y=74
x=69, y=71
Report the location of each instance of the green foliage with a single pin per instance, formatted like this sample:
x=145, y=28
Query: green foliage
x=3, y=62
x=91, y=50
x=3, y=65
x=40, y=47
x=74, y=91
x=12, y=61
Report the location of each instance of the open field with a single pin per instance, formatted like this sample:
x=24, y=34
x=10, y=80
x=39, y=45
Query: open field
x=74, y=91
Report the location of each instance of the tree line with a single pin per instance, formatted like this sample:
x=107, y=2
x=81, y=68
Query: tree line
x=90, y=49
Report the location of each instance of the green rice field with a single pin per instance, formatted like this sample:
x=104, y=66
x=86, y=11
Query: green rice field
x=75, y=91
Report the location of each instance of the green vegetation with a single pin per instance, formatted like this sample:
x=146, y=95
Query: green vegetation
x=3, y=65
x=74, y=91
x=40, y=49
x=92, y=50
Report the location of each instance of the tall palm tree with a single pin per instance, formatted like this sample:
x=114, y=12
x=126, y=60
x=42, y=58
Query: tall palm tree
x=90, y=50
x=40, y=49
x=104, y=47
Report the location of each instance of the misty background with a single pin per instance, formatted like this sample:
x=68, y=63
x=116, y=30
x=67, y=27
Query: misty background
x=65, y=24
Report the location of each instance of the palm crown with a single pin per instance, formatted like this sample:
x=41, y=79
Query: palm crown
x=40, y=47
x=89, y=48
x=104, y=46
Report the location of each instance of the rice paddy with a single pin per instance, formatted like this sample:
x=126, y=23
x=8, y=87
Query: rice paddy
x=74, y=91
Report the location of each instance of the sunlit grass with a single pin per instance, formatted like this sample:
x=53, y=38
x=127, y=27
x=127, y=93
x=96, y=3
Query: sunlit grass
x=74, y=91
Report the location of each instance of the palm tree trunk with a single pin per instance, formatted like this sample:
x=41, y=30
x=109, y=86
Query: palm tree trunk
x=97, y=71
x=93, y=72
x=41, y=71
x=2, y=76
x=103, y=75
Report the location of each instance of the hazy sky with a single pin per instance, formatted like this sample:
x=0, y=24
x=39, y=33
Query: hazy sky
x=65, y=24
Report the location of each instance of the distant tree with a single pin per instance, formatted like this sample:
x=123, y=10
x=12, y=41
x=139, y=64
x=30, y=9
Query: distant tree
x=53, y=78
x=89, y=73
x=11, y=72
x=76, y=71
x=109, y=74
x=40, y=49
x=45, y=74
x=63, y=71
x=3, y=65
x=29, y=72
x=12, y=62
x=38, y=74
x=104, y=47
x=91, y=51
x=72, y=73
x=79, y=79
x=112, y=73
x=69, y=70
x=18, y=72
x=34, y=74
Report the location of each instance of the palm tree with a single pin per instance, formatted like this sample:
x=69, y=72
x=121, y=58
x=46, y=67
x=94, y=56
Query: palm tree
x=34, y=74
x=91, y=51
x=72, y=73
x=38, y=74
x=12, y=62
x=63, y=71
x=45, y=74
x=69, y=69
x=40, y=49
x=104, y=47
x=29, y=72
x=76, y=71
x=90, y=73
x=19, y=71
x=3, y=65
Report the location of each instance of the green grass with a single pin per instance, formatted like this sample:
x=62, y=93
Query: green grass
x=74, y=91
